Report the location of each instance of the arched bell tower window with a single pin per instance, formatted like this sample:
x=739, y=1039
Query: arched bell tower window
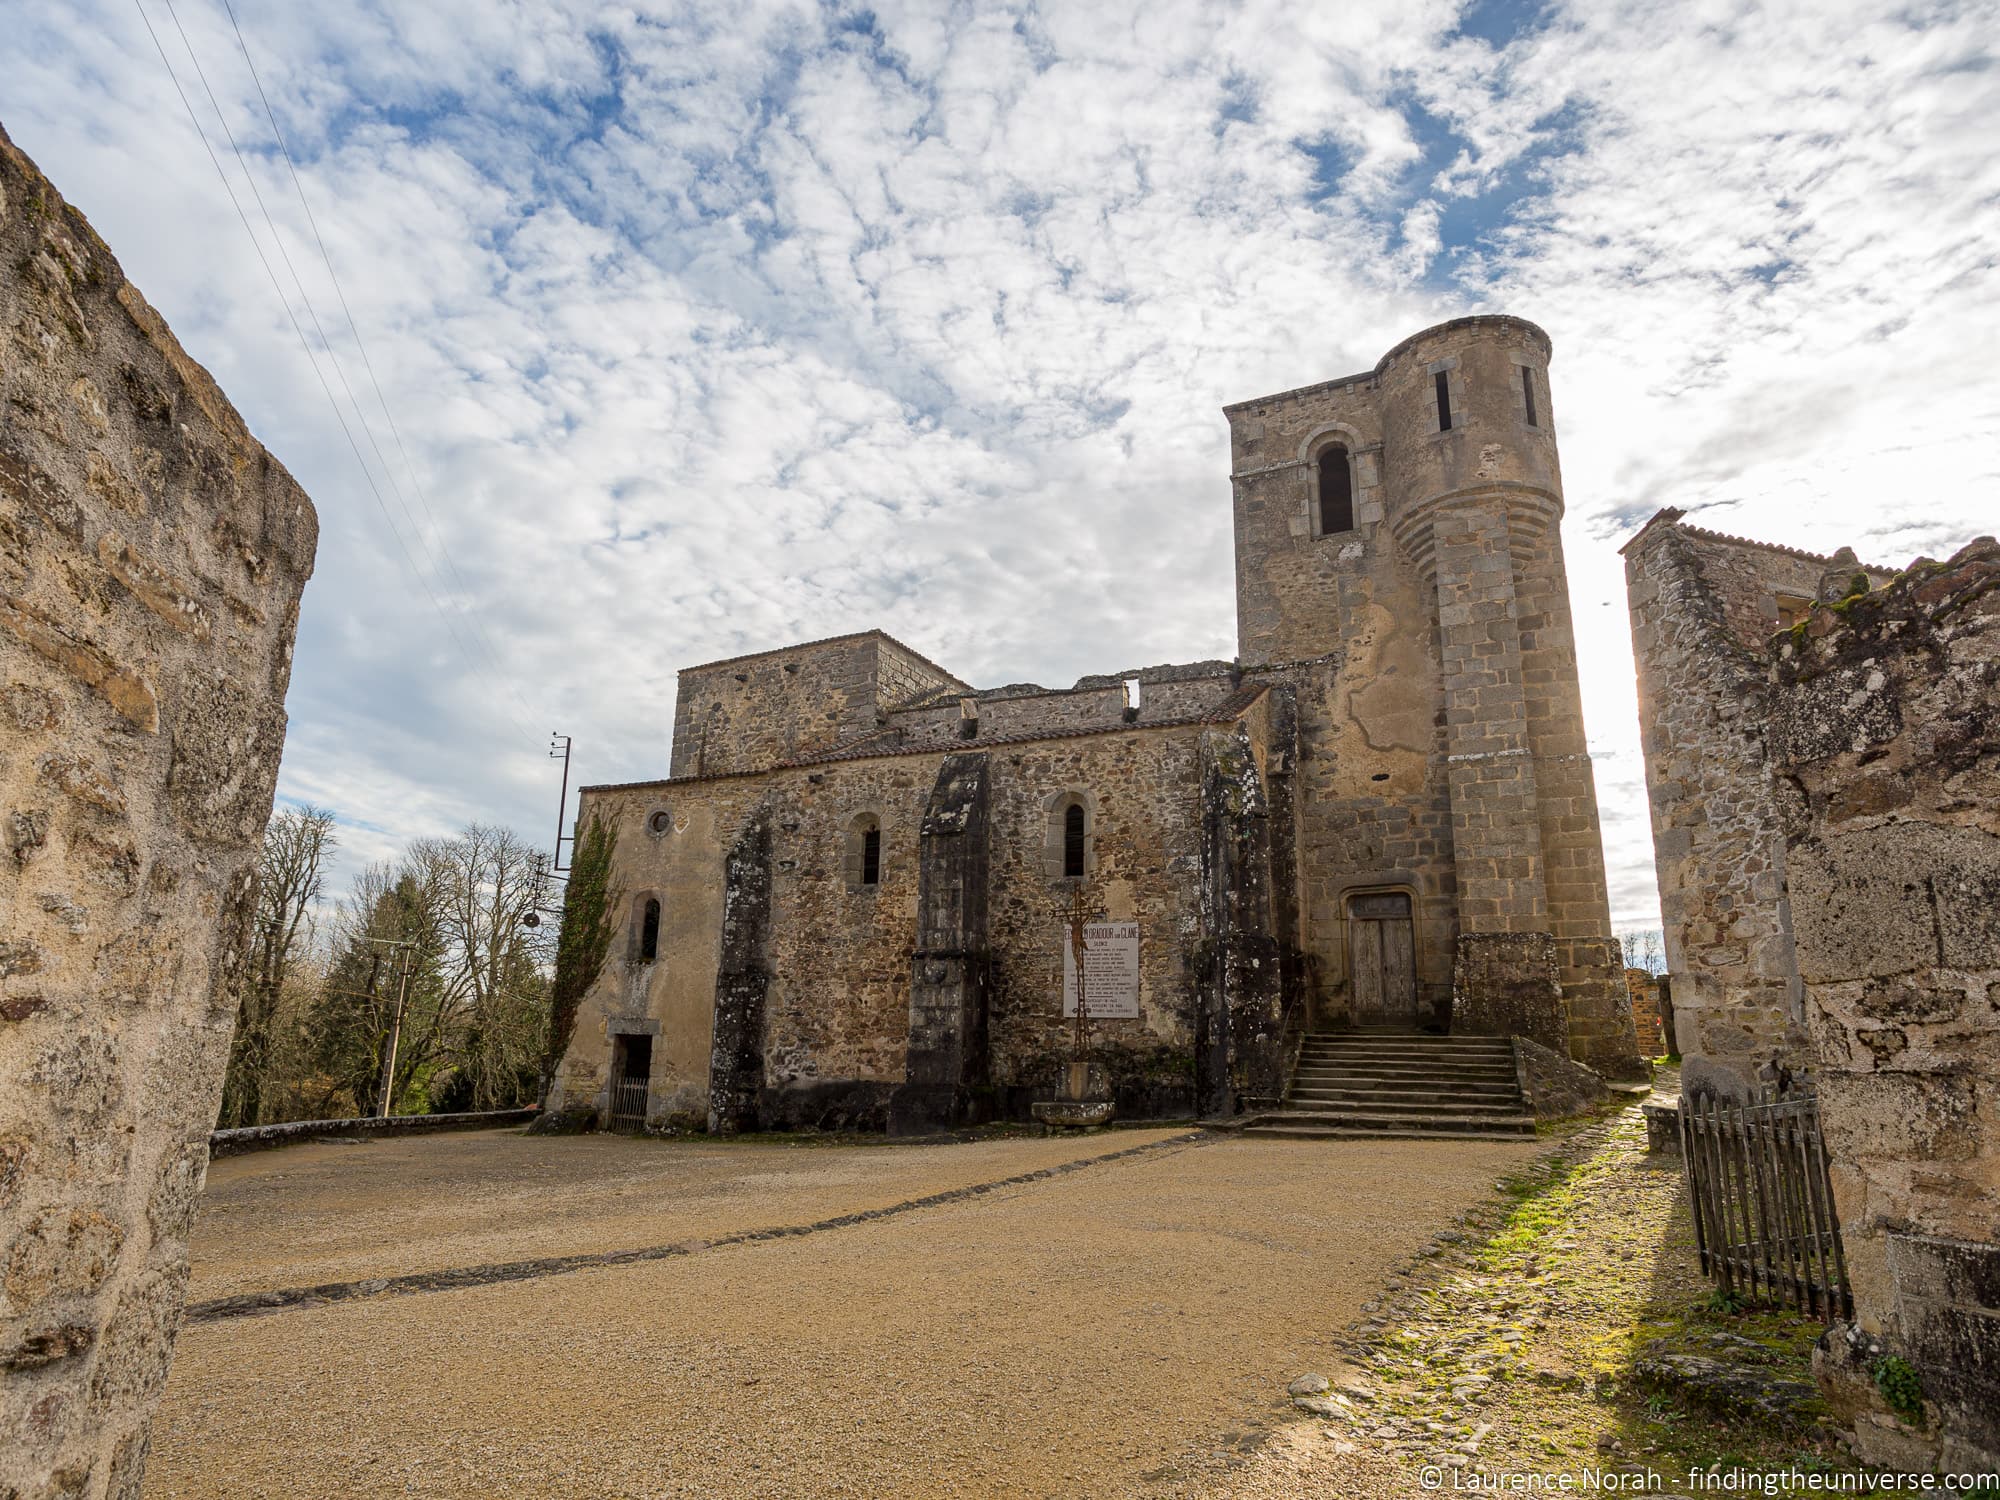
x=1336, y=490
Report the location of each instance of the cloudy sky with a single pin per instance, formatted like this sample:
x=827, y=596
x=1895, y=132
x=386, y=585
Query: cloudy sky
x=709, y=327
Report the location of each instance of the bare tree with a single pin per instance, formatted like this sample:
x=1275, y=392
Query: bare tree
x=484, y=882
x=290, y=875
x=1643, y=950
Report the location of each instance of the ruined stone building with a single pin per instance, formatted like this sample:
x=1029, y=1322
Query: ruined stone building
x=1704, y=608
x=1823, y=759
x=152, y=555
x=845, y=902
x=1885, y=745
x=1822, y=747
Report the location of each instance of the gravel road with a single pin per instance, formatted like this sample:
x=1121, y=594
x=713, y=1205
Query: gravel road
x=1104, y=1331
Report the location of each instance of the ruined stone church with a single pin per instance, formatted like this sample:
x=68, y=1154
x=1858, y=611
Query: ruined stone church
x=845, y=903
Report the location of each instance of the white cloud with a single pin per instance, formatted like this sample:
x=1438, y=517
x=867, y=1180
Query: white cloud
x=723, y=326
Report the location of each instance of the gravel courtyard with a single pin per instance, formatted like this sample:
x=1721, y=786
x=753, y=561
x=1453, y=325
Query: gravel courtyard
x=1138, y=1301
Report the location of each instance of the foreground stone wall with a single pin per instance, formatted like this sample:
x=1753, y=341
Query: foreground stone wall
x=1886, y=739
x=1703, y=608
x=152, y=555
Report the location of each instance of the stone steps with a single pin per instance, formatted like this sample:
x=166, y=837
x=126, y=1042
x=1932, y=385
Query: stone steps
x=1380, y=1084
x=1400, y=1100
x=1303, y=1124
x=1412, y=1073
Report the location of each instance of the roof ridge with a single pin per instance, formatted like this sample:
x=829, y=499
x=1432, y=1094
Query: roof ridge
x=826, y=640
x=1224, y=711
x=1670, y=516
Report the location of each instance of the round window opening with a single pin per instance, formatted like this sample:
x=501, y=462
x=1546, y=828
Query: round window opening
x=661, y=821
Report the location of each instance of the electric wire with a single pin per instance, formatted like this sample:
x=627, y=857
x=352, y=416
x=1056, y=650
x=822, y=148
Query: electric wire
x=327, y=344
x=292, y=317
x=442, y=558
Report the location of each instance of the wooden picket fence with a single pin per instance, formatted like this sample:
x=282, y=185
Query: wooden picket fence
x=1764, y=1219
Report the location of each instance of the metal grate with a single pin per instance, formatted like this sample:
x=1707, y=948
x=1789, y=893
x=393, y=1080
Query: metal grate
x=628, y=1101
x=1764, y=1219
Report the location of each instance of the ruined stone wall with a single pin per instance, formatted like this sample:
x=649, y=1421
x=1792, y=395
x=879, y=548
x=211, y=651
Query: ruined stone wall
x=836, y=1013
x=1011, y=713
x=152, y=556
x=752, y=712
x=1143, y=790
x=1643, y=993
x=1885, y=735
x=901, y=675
x=1703, y=608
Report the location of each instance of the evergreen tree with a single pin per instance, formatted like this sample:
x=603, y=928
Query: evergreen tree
x=584, y=940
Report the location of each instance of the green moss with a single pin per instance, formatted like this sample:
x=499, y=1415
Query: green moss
x=1897, y=1381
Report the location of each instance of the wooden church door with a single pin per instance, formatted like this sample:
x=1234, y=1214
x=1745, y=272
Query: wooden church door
x=1382, y=959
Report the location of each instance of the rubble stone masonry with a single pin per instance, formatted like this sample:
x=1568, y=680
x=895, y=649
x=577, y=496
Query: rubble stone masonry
x=152, y=555
x=1885, y=737
x=1394, y=767
x=1451, y=738
x=1703, y=608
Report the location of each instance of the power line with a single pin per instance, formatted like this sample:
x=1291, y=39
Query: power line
x=327, y=344
x=290, y=315
x=416, y=485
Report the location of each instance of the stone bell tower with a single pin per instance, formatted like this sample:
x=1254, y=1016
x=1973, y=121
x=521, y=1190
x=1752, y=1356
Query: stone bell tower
x=1405, y=523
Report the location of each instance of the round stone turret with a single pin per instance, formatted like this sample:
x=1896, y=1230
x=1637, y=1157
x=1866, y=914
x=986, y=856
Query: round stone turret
x=1465, y=421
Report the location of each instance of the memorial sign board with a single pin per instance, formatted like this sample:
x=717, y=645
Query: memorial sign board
x=1110, y=970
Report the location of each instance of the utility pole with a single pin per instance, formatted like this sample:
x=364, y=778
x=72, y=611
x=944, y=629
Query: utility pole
x=388, y=1085
x=559, y=747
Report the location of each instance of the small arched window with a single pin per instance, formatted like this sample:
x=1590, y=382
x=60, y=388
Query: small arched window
x=1336, y=490
x=1073, y=845
x=649, y=930
x=864, y=851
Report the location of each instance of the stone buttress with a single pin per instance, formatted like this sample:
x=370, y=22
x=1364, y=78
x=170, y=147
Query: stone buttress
x=946, y=1083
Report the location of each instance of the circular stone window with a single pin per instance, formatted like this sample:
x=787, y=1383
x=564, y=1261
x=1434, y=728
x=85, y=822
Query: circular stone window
x=660, y=822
